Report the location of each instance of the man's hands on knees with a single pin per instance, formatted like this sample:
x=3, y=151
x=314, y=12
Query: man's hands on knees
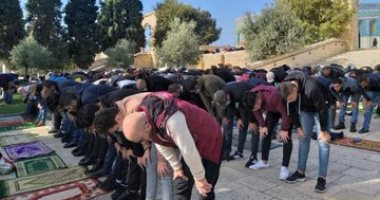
x=325, y=136
x=203, y=187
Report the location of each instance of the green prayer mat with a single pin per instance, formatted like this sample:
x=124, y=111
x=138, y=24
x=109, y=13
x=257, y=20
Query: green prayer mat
x=17, y=139
x=17, y=127
x=41, y=181
x=38, y=165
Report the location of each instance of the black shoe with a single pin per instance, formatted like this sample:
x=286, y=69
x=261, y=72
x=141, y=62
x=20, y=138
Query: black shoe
x=353, y=128
x=296, y=177
x=235, y=156
x=128, y=195
x=321, y=185
x=77, y=152
x=252, y=160
x=96, y=167
x=53, y=130
x=66, y=139
x=86, y=161
x=69, y=145
x=118, y=192
x=98, y=174
x=363, y=130
x=339, y=126
x=59, y=134
x=109, y=184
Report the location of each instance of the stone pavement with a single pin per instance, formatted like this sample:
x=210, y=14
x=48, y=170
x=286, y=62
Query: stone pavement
x=353, y=173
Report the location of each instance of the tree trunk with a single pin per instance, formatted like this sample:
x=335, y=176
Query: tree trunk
x=26, y=72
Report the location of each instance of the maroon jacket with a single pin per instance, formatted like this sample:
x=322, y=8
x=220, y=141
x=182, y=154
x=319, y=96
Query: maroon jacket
x=203, y=127
x=272, y=102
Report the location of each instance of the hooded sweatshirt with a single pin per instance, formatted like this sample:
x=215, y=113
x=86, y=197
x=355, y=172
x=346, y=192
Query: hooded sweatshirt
x=312, y=98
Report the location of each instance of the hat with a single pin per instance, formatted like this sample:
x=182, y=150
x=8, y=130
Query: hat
x=219, y=98
x=270, y=77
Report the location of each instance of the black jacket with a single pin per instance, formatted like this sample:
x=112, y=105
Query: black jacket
x=313, y=97
x=109, y=99
x=157, y=83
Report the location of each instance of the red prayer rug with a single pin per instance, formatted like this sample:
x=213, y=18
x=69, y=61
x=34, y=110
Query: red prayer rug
x=361, y=144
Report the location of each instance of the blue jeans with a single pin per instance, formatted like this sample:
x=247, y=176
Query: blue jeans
x=42, y=115
x=375, y=98
x=8, y=96
x=152, y=182
x=342, y=111
x=109, y=159
x=227, y=132
x=308, y=120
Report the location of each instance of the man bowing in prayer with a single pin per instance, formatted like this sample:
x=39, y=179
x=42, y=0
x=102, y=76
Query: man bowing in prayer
x=187, y=136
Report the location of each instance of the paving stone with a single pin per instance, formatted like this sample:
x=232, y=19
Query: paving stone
x=288, y=192
x=256, y=183
x=351, y=195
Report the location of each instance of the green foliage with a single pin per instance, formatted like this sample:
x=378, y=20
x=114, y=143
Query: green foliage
x=44, y=24
x=322, y=19
x=205, y=29
x=30, y=54
x=276, y=31
x=11, y=26
x=80, y=19
x=16, y=107
x=181, y=47
x=120, y=19
x=121, y=55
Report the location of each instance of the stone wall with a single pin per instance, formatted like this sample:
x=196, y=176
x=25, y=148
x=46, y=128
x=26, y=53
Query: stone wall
x=312, y=54
x=368, y=57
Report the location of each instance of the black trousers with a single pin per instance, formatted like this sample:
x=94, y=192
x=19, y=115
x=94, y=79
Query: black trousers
x=271, y=122
x=57, y=117
x=136, y=178
x=120, y=168
x=183, y=188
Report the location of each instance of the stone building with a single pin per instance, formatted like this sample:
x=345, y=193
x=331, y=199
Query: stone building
x=369, y=25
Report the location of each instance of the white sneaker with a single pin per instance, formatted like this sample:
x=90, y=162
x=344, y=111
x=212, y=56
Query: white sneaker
x=259, y=165
x=284, y=174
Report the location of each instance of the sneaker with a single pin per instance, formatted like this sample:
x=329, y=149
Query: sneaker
x=296, y=177
x=284, y=174
x=363, y=130
x=236, y=156
x=321, y=185
x=259, y=165
x=352, y=128
x=250, y=162
x=339, y=126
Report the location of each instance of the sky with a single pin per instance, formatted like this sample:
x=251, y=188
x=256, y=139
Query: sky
x=224, y=11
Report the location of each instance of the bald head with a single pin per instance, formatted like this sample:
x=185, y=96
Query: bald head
x=141, y=85
x=136, y=128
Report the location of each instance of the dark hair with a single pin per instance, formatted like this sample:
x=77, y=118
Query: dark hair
x=337, y=81
x=50, y=84
x=174, y=87
x=105, y=119
x=363, y=78
x=86, y=115
x=66, y=98
x=52, y=101
x=285, y=89
x=249, y=100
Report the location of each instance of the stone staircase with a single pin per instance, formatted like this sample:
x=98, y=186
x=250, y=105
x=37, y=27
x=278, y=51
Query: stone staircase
x=360, y=58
